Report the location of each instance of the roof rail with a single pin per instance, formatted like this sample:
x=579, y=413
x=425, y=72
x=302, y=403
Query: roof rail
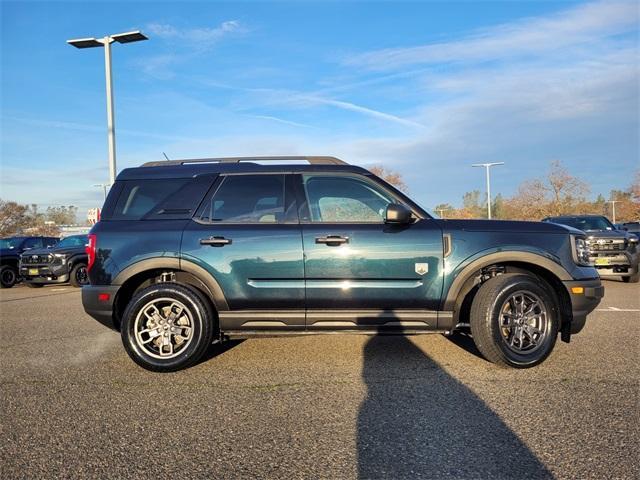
x=311, y=160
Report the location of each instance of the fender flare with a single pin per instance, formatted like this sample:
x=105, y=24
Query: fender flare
x=77, y=258
x=468, y=270
x=171, y=263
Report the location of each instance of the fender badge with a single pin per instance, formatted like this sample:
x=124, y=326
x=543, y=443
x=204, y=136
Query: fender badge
x=422, y=268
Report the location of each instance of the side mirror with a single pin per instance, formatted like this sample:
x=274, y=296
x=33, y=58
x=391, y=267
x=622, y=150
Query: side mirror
x=397, y=213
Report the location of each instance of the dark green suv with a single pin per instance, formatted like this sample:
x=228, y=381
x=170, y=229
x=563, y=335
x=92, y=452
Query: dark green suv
x=193, y=251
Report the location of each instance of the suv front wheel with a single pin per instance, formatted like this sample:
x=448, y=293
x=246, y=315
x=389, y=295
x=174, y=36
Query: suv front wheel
x=514, y=320
x=167, y=327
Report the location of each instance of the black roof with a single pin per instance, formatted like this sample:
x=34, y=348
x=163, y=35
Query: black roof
x=195, y=167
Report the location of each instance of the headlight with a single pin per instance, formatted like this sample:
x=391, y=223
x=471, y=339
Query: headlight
x=60, y=257
x=580, y=250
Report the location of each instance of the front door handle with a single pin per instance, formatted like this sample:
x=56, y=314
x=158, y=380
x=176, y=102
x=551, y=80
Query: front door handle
x=215, y=241
x=332, y=240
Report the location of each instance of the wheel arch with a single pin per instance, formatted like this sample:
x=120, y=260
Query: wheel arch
x=464, y=287
x=151, y=271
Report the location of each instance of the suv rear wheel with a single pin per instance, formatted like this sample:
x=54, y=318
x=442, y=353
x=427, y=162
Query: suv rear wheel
x=514, y=320
x=167, y=327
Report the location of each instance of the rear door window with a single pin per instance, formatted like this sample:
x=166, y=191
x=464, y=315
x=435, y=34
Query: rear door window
x=248, y=199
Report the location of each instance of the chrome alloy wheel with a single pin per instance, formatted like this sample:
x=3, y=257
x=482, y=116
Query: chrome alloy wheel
x=524, y=322
x=163, y=328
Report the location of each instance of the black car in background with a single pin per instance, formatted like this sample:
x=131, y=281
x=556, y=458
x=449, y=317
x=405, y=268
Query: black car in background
x=10, y=250
x=66, y=262
x=612, y=251
x=633, y=227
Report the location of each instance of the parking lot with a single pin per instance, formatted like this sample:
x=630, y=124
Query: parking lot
x=74, y=405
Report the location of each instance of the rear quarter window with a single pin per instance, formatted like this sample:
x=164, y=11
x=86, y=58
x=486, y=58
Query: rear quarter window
x=173, y=198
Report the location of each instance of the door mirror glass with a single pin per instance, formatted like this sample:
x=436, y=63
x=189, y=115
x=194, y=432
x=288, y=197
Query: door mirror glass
x=397, y=213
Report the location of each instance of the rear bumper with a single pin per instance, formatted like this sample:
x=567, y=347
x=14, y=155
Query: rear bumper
x=582, y=304
x=101, y=310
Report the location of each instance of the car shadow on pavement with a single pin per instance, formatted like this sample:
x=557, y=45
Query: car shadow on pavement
x=464, y=340
x=417, y=421
x=219, y=348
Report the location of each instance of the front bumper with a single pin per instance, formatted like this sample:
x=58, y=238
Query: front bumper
x=101, y=310
x=585, y=296
x=620, y=264
x=44, y=274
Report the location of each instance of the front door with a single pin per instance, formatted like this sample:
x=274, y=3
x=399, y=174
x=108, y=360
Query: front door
x=247, y=236
x=360, y=272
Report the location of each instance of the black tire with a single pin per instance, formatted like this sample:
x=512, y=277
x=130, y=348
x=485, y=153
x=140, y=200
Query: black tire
x=198, y=311
x=8, y=276
x=487, y=314
x=79, y=276
x=34, y=285
x=632, y=279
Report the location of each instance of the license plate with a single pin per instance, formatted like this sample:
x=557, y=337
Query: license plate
x=602, y=261
x=34, y=271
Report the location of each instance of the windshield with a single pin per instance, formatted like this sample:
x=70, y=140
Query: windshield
x=11, y=242
x=73, y=241
x=585, y=223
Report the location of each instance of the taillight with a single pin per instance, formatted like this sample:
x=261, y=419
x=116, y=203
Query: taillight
x=90, y=248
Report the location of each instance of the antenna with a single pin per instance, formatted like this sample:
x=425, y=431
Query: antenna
x=165, y=156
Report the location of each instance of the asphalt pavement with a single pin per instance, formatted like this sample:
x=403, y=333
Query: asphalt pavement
x=74, y=405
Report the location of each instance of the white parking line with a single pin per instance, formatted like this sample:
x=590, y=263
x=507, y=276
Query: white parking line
x=616, y=309
x=58, y=289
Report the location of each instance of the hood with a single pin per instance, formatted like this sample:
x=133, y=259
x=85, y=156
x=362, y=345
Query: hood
x=508, y=226
x=67, y=250
x=608, y=234
x=7, y=252
x=61, y=251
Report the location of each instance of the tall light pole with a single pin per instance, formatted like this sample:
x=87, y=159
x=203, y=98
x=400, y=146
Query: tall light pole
x=106, y=42
x=613, y=208
x=104, y=188
x=441, y=211
x=487, y=166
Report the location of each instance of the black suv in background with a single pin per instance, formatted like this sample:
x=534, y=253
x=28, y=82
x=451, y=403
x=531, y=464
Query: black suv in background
x=613, y=252
x=10, y=250
x=66, y=262
x=187, y=252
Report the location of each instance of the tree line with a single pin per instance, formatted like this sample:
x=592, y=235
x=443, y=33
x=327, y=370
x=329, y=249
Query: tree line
x=19, y=219
x=556, y=193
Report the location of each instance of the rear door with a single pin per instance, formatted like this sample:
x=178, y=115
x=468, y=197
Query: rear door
x=360, y=272
x=247, y=236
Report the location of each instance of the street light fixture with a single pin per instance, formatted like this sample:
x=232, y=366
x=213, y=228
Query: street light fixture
x=441, y=211
x=104, y=188
x=106, y=42
x=487, y=166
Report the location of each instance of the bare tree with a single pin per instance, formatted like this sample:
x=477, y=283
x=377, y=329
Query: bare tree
x=389, y=176
x=14, y=218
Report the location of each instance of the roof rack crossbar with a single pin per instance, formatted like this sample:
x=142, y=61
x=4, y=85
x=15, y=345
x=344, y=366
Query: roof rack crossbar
x=311, y=160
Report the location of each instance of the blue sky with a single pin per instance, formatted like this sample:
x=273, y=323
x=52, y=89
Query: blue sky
x=425, y=88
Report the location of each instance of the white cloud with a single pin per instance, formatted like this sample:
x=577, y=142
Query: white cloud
x=200, y=38
x=590, y=23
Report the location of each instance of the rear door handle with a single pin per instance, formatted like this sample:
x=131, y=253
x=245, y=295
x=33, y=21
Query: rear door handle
x=216, y=241
x=332, y=240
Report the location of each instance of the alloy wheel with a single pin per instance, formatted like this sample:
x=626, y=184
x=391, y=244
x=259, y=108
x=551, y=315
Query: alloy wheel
x=524, y=322
x=163, y=328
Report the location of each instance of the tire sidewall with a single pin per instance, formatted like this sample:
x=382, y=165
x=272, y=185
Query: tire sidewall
x=73, y=280
x=3, y=271
x=551, y=304
x=191, y=353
